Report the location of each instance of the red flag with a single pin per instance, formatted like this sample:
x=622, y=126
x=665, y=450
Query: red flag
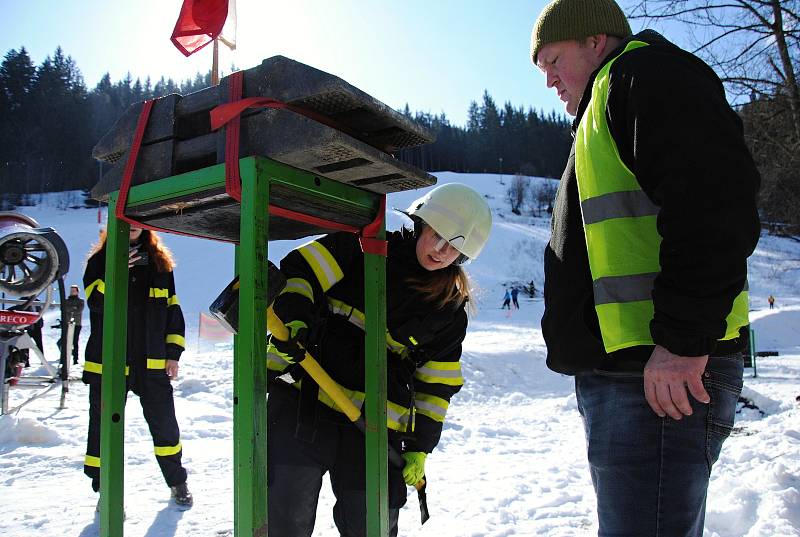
x=211, y=330
x=199, y=23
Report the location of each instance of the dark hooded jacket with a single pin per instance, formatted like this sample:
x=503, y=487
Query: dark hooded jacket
x=155, y=329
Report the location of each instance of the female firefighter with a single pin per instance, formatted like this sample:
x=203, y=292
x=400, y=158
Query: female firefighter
x=427, y=292
x=155, y=343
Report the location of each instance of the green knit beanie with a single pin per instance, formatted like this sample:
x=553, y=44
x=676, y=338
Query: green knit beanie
x=564, y=20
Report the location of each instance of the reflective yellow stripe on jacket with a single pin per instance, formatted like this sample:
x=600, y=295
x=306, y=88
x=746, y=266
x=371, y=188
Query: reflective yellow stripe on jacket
x=100, y=285
x=176, y=339
x=161, y=292
x=166, y=451
x=357, y=318
x=299, y=286
x=322, y=262
x=97, y=367
x=433, y=372
x=430, y=405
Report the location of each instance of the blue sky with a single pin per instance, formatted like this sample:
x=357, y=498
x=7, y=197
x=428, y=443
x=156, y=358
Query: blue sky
x=436, y=55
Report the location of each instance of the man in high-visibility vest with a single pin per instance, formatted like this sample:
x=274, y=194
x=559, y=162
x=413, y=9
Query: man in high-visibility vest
x=646, y=269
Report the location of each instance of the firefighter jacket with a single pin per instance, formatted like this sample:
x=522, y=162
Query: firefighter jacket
x=669, y=129
x=155, y=321
x=325, y=288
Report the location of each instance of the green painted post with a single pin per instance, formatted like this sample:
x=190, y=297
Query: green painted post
x=249, y=413
x=375, y=404
x=249, y=357
x=112, y=412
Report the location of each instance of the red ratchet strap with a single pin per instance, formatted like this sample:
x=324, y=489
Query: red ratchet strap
x=229, y=114
x=369, y=243
x=127, y=174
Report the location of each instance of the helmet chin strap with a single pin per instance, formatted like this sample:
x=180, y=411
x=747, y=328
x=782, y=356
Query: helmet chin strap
x=461, y=260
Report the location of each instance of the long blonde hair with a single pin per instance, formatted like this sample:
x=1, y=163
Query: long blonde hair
x=160, y=255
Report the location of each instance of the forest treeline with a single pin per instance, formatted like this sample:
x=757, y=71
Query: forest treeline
x=50, y=120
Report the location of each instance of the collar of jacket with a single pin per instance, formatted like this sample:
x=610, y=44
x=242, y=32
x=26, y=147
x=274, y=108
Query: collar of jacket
x=648, y=36
x=403, y=250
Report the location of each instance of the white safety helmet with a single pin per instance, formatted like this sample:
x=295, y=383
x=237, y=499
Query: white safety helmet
x=458, y=214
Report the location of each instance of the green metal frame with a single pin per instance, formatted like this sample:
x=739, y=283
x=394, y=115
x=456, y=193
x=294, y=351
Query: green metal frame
x=249, y=355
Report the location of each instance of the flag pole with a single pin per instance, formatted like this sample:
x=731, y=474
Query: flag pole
x=215, y=64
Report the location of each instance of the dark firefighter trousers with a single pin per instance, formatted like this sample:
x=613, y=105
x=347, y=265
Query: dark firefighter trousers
x=158, y=408
x=295, y=469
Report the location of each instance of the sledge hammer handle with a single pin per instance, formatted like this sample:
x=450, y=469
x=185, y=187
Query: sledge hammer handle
x=276, y=282
x=225, y=309
x=328, y=385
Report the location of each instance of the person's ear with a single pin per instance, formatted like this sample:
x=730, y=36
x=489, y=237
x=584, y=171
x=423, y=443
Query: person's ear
x=598, y=44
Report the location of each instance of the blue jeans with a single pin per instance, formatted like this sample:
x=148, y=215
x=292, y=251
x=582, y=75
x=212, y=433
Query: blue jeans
x=651, y=474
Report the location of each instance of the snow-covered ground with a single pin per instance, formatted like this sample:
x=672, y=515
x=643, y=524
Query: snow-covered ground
x=512, y=457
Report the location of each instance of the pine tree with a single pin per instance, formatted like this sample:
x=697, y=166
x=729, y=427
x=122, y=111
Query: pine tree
x=17, y=78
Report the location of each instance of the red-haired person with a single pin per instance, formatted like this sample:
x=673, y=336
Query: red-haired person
x=155, y=343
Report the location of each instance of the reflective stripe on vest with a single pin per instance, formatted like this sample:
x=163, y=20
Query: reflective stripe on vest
x=619, y=222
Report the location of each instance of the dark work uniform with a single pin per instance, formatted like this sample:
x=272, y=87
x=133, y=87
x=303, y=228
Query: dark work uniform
x=73, y=306
x=155, y=334
x=326, y=291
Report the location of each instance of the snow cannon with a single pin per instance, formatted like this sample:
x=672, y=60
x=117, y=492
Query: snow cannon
x=31, y=256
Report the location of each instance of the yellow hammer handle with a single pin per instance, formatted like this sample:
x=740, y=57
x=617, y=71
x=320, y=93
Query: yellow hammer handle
x=279, y=330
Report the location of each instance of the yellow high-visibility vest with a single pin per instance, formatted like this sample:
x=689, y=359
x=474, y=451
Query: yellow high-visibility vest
x=619, y=222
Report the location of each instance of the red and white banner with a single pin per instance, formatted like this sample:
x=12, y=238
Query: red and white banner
x=212, y=330
x=18, y=317
x=202, y=21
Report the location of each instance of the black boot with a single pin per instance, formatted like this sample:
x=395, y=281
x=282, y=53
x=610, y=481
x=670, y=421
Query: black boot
x=182, y=496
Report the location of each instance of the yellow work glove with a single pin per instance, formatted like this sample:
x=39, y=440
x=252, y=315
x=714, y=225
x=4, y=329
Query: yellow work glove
x=290, y=350
x=414, y=470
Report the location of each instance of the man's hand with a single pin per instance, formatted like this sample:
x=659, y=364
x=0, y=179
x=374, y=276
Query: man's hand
x=172, y=369
x=666, y=377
